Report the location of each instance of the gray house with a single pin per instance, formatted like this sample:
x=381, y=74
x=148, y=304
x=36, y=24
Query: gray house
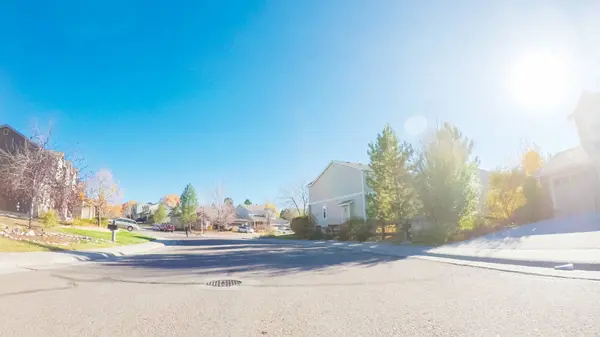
x=339, y=193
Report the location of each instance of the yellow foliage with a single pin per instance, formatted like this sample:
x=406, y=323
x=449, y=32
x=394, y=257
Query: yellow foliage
x=113, y=211
x=170, y=200
x=505, y=193
x=531, y=162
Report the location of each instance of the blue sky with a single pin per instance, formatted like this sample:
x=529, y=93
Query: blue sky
x=257, y=95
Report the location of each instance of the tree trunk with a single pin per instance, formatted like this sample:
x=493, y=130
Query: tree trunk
x=99, y=216
x=30, y=214
x=383, y=230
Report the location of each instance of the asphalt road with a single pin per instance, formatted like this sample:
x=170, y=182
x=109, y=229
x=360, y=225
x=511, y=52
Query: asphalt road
x=290, y=290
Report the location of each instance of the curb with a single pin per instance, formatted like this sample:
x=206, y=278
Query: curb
x=46, y=260
x=581, y=270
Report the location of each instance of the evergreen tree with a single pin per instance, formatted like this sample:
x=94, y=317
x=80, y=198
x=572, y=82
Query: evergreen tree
x=160, y=215
x=447, y=180
x=394, y=197
x=247, y=202
x=188, y=205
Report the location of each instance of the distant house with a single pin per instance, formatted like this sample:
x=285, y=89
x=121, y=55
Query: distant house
x=572, y=176
x=339, y=193
x=258, y=217
x=209, y=218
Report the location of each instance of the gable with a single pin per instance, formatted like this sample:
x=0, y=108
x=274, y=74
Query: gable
x=337, y=180
x=10, y=139
x=357, y=166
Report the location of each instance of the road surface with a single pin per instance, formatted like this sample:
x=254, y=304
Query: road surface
x=289, y=290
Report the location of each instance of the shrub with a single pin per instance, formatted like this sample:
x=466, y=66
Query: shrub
x=363, y=230
x=431, y=235
x=89, y=222
x=317, y=235
x=49, y=218
x=357, y=229
x=345, y=233
x=303, y=227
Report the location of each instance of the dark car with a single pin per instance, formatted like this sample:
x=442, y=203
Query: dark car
x=167, y=227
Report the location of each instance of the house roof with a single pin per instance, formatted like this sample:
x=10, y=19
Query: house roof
x=14, y=130
x=358, y=166
x=255, y=209
x=565, y=160
x=587, y=100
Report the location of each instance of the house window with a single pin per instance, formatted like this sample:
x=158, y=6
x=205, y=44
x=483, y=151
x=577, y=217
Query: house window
x=324, y=212
x=5, y=132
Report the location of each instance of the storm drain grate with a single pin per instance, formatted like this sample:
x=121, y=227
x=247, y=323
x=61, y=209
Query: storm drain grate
x=224, y=283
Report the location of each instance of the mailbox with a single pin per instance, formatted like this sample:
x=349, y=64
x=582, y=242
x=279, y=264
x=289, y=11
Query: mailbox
x=112, y=227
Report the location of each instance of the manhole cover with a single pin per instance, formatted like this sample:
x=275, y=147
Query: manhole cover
x=224, y=283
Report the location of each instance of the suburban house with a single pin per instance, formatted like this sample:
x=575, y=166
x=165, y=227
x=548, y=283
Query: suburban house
x=339, y=193
x=259, y=217
x=10, y=141
x=209, y=218
x=572, y=176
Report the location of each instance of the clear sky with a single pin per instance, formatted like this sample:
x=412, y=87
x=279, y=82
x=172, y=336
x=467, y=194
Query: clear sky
x=262, y=94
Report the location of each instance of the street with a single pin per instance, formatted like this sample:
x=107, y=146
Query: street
x=290, y=290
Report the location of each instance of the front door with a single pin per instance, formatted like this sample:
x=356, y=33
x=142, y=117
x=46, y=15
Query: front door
x=345, y=213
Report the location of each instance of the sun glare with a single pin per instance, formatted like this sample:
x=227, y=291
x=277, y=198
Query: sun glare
x=540, y=80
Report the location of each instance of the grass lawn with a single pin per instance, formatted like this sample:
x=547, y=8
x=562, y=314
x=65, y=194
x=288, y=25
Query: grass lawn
x=123, y=237
x=8, y=245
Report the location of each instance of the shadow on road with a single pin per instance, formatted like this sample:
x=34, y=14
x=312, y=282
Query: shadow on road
x=215, y=256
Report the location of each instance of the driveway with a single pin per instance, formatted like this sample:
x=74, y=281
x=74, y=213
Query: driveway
x=290, y=290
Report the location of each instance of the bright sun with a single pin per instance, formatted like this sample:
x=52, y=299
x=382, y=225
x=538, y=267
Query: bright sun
x=540, y=80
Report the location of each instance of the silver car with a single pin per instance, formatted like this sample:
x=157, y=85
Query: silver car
x=126, y=223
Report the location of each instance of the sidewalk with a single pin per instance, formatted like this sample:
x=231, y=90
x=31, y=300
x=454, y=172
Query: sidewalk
x=15, y=262
x=502, y=257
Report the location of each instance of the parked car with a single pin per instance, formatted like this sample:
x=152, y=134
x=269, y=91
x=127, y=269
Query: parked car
x=165, y=227
x=245, y=229
x=126, y=223
x=156, y=227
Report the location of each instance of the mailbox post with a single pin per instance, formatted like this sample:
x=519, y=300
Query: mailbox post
x=113, y=228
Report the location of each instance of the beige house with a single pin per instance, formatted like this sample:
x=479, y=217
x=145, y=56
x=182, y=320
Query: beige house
x=339, y=193
x=572, y=176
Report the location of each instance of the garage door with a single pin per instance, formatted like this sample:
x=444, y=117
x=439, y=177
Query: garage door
x=574, y=194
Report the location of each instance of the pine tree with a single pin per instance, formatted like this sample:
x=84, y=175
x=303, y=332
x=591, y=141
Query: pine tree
x=160, y=215
x=188, y=205
x=394, y=196
x=447, y=181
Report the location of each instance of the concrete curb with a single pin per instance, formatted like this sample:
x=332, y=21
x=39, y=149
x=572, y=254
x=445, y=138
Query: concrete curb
x=539, y=262
x=15, y=262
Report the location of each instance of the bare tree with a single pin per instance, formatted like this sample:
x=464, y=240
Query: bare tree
x=224, y=210
x=29, y=170
x=295, y=197
x=101, y=191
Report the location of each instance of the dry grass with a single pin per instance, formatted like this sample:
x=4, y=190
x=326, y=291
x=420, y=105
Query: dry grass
x=9, y=246
x=10, y=221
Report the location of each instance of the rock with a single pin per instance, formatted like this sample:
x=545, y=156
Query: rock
x=30, y=233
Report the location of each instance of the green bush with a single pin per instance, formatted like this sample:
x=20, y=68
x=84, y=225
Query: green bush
x=49, y=218
x=318, y=234
x=303, y=227
x=363, y=230
x=357, y=229
x=432, y=235
x=89, y=222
